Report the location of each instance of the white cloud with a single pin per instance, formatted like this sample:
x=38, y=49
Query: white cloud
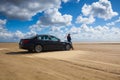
x=2, y=25
x=86, y=33
x=85, y=20
x=7, y=36
x=98, y=33
x=25, y=9
x=65, y=1
x=36, y=27
x=3, y=31
x=59, y=32
x=110, y=24
x=118, y=20
x=82, y=33
x=74, y=30
x=114, y=22
x=2, y=22
x=100, y=9
x=55, y=29
x=54, y=17
x=78, y=1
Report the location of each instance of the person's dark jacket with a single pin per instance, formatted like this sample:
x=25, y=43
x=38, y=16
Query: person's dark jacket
x=68, y=38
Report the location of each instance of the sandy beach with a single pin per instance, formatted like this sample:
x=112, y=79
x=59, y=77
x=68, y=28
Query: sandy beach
x=88, y=61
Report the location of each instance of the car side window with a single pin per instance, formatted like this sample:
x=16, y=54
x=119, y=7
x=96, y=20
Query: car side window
x=54, y=38
x=39, y=38
x=45, y=38
x=48, y=38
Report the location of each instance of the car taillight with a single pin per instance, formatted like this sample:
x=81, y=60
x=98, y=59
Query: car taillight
x=25, y=41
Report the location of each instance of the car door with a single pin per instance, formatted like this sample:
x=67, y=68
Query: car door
x=55, y=43
x=47, y=42
x=44, y=41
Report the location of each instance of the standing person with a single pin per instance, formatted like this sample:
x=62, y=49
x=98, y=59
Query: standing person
x=69, y=40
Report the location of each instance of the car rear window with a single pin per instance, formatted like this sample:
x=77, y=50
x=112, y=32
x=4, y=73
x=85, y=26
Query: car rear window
x=32, y=37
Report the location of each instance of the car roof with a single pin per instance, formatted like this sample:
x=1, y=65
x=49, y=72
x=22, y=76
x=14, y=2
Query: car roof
x=44, y=35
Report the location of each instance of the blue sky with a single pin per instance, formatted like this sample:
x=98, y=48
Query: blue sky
x=85, y=20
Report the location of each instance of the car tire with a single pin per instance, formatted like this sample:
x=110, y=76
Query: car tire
x=67, y=47
x=38, y=48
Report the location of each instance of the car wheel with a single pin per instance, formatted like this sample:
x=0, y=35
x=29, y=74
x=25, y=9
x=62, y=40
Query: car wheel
x=67, y=47
x=38, y=48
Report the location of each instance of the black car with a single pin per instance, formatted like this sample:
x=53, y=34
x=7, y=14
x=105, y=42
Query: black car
x=40, y=43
